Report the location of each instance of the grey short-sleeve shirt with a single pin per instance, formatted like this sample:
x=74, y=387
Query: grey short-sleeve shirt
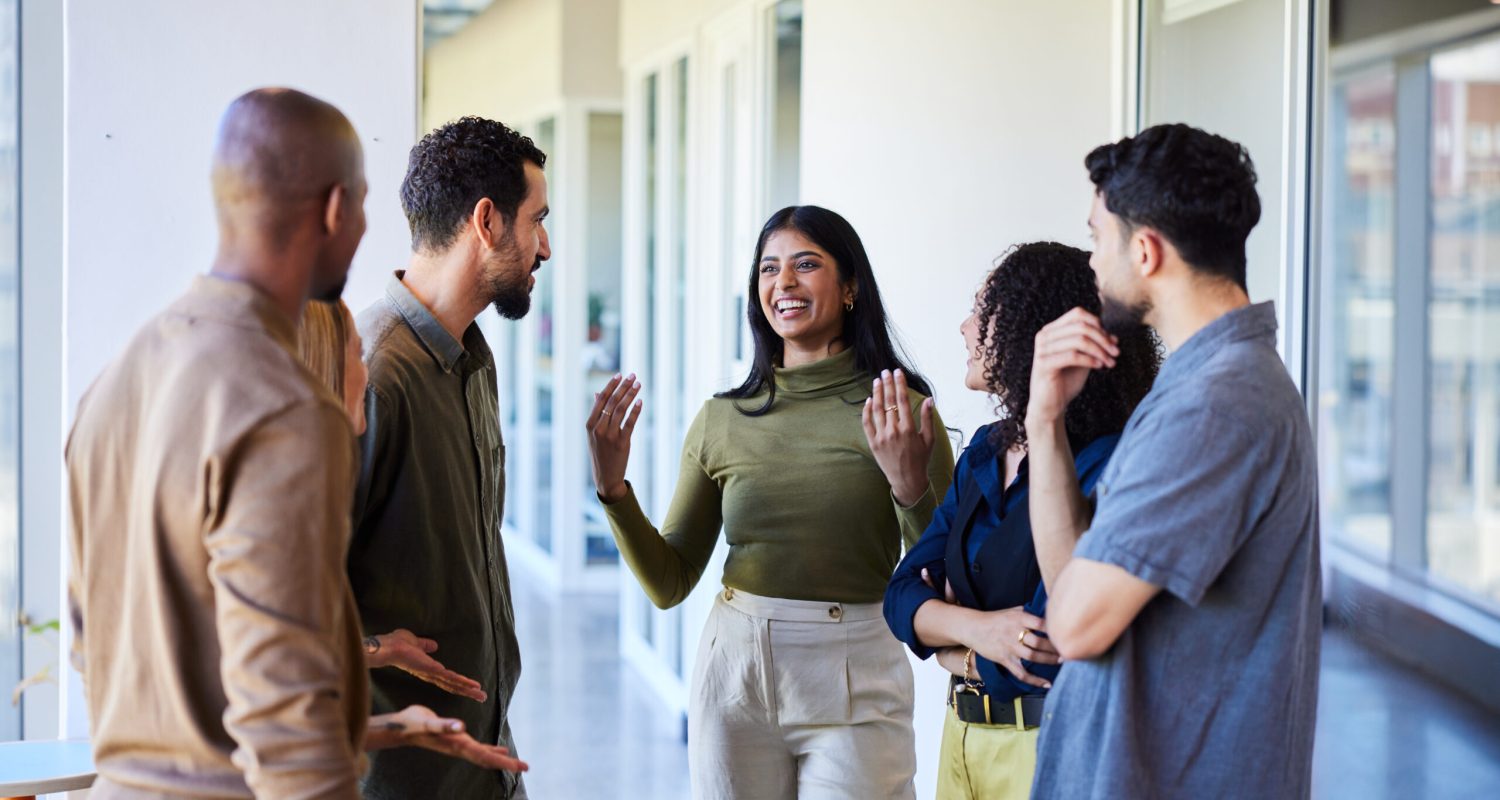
x=1211, y=495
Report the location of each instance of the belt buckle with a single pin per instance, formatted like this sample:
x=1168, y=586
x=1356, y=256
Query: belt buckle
x=970, y=704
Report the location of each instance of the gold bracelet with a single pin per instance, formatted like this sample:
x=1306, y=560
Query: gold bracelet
x=968, y=662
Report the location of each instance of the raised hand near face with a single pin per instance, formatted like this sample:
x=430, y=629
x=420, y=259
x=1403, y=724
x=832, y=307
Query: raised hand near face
x=901, y=442
x=1066, y=351
x=616, y=409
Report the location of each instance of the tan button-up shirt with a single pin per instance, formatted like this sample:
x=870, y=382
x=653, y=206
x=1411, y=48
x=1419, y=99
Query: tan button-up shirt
x=211, y=478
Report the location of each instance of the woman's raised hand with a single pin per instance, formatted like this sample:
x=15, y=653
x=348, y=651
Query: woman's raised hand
x=616, y=409
x=901, y=442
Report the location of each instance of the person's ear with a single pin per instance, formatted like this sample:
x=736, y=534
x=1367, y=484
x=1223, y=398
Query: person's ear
x=1148, y=252
x=851, y=293
x=484, y=216
x=333, y=209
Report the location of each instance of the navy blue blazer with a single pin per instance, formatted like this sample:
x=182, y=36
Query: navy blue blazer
x=980, y=540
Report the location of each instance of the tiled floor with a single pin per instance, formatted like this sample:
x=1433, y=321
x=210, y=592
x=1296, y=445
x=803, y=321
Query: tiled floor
x=589, y=726
x=592, y=729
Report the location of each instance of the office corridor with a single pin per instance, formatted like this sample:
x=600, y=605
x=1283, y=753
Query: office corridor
x=591, y=728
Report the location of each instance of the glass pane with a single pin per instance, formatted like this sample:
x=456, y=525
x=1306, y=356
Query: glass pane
x=786, y=104
x=645, y=436
x=679, y=268
x=543, y=304
x=601, y=347
x=10, y=361
x=730, y=220
x=508, y=356
x=644, y=445
x=679, y=313
x=1358, y=317
x=1463, y=491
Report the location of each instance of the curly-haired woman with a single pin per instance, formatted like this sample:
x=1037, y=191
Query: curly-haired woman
x=970, y=591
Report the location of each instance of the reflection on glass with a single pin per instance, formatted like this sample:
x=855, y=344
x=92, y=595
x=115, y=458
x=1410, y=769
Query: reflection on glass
x=1359, y=314
x=1463, y=490
x=543, y=304
x=601, y=347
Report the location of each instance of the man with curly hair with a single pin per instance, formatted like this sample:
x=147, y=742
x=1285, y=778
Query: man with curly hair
x=427, y=554
x=1186, y=599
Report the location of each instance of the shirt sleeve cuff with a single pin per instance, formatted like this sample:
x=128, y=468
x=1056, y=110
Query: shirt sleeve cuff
x=909, y=596
x=925, y=504
x=1100, y=549
x=625, y=514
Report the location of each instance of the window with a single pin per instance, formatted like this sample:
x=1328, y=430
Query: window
x=1463, y=483
x=1358, y=337
x=601, y=344
x=10, y=366
x=544, y=303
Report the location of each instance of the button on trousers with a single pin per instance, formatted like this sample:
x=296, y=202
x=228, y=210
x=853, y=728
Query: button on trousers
x=800, y=699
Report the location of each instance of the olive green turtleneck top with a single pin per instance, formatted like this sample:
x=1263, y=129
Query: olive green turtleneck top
x=807, y=512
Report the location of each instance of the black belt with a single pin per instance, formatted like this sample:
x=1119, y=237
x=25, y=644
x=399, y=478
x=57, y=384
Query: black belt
x=977, y=708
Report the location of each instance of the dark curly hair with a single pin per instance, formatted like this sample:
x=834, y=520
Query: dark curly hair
x=866, y=330
x=1032, y=285
x=1196, y=188
x=456, y=165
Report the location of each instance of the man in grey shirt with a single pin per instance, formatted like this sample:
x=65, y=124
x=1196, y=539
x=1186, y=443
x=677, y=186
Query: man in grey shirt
x=426, y=553
x=1189, y=613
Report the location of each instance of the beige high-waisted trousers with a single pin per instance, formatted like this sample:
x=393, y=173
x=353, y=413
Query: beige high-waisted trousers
x=800, y=699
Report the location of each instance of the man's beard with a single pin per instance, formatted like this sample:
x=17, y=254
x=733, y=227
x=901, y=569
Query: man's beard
x=333, y=293
x=510, y=294
x=1123, y=318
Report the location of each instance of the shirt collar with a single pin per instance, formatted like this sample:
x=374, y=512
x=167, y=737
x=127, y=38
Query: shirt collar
x=241, y=303
x=439, y=342
x=1257, y=321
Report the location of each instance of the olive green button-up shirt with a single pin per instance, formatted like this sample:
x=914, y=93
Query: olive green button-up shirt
x=427, y=554
x=209, y=482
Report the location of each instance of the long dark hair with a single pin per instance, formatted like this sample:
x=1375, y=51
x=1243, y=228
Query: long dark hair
x=1032, y=285
x=866, y=330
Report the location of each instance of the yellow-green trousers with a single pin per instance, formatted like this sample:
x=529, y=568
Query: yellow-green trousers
x=985, y=762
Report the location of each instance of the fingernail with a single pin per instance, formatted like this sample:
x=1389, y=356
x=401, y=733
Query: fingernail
x=455, y=726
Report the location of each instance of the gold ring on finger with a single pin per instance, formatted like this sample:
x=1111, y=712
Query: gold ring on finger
x=889, y=409
x=1022, y=637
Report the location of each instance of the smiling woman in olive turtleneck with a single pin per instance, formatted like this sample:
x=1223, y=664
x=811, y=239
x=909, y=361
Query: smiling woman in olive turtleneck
x=799, y=689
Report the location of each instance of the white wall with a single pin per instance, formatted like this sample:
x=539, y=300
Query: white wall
x=1239, y=52
x=965, y=139
x=946, y=132
x=146, y=83
x=506, y=64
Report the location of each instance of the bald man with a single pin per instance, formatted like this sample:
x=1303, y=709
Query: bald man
x=211, y=478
